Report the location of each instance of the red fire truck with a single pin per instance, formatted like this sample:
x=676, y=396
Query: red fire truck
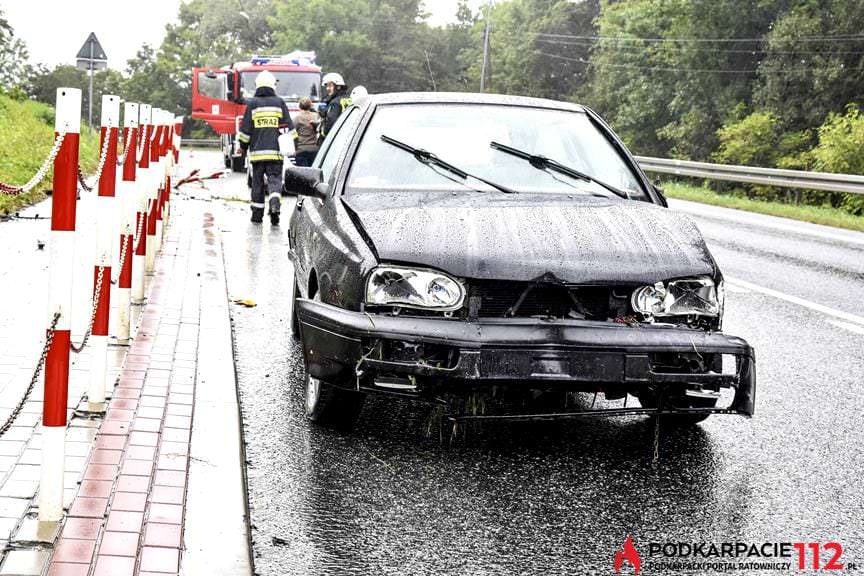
x=218, y=94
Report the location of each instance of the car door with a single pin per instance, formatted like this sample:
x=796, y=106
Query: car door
x=210, y=99
x=307, y=224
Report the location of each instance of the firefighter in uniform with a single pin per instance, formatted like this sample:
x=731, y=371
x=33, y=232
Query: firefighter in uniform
x=266, y=114
x=338, y=99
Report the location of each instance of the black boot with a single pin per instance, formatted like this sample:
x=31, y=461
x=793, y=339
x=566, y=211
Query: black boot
x=274, y=211
x=257, y=215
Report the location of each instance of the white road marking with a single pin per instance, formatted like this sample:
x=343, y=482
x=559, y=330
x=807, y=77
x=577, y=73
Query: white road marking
x=737, y=289
x=828, y=311
x=851, y=327
x=776, y=223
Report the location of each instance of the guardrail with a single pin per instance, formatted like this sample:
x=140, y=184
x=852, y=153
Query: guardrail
x=852, y=183
x=145, y=194
x=201, y=142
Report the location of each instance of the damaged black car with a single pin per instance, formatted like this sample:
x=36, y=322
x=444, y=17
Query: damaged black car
x=504, y=258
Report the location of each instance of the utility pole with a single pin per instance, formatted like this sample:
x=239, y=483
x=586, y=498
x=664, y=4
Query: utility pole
x=486, y=47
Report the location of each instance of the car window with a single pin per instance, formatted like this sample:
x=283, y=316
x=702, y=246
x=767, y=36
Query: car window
x=461, y=134
x=338, y=139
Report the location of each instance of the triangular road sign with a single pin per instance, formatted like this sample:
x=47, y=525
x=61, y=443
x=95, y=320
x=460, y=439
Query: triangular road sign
x=98, y=52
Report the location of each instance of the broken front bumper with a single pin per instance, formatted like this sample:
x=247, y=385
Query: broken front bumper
x=520, y=349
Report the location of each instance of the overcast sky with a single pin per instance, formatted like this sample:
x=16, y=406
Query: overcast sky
x=54, y=30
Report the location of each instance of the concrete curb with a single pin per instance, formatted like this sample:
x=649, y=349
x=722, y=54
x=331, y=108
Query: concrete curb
x=217, y=524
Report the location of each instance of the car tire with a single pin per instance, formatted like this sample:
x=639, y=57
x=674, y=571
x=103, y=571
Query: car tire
x=238, y=163
x=329, y=406
x=648, y=399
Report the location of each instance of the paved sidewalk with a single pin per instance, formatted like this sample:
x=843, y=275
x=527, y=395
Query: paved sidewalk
x=128, y=474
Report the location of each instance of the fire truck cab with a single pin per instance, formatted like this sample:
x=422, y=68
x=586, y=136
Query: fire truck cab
x=219, y=94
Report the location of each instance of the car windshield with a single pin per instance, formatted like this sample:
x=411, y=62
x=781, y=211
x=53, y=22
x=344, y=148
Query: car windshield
x=289, y=85
x=462, y=134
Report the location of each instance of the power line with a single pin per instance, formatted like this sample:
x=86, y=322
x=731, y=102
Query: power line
x=833, y=38
x=676, y=69
x=754, y=51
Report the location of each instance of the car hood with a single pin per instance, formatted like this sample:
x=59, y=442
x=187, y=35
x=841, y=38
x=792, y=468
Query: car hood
x=572, y=239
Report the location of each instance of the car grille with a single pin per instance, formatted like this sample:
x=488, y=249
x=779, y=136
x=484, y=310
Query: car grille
x=500, y=299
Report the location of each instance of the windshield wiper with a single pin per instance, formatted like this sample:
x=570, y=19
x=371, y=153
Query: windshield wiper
x=430, y=159
x=544, y=163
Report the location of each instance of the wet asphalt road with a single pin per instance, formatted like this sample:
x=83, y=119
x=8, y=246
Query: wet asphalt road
x=559, y=498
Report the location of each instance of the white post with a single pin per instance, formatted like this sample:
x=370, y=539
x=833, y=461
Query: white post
x=152, y=186
x=160, y=171
x=104, y=231
x=142, y=189
x=56, y=394
x=126, y=188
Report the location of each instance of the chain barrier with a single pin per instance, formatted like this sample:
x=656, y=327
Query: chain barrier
x=121, y=158
x=88, y=187
x=125, y=246
x=48, y=340
x=142, y=149
x=97, y=292
x=122, y=259
x=10, y=190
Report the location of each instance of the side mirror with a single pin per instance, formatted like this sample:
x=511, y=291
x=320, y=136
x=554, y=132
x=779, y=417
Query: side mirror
x=660, y=195
x=304, y=181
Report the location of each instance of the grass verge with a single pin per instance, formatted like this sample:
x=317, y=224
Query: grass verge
x=815, y=214
x=26, y=138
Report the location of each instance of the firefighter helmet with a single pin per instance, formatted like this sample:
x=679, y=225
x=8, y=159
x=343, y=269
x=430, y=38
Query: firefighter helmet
x=333, y=77
x=358, y=93
x=265, y=79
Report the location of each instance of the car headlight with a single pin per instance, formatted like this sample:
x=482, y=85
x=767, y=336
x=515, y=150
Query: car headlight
x=413, y=288
x=686, y=297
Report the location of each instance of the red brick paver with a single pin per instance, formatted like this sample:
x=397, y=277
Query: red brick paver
x=127, y=517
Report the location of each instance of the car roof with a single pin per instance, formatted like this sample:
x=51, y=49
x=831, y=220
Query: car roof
x=468, y=98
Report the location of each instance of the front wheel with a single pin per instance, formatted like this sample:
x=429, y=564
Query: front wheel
x=332, y=407
x=327, y=405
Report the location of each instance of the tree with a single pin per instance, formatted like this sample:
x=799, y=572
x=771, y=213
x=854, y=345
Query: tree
x=44, y=82
x=814, y=63
x=14, y=68
x=381, y=44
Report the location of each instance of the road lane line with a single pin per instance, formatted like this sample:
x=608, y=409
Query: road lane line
x=828, y=311
x=847, y=326
x=776, y=223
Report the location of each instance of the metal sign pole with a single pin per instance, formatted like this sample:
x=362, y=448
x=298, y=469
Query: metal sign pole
x=91, y=57
x=90, y=96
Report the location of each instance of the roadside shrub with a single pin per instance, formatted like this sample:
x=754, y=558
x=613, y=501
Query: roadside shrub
x=841, y=149
x=751, y=141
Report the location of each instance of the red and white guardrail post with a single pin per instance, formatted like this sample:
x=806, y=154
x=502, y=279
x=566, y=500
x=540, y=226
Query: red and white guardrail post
x=160, y=186
x=178, y=138
x=105, y=211
x=68, y=121
x=143, y=185
x=152, y=190
x=167, y=158
x=126, y=188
